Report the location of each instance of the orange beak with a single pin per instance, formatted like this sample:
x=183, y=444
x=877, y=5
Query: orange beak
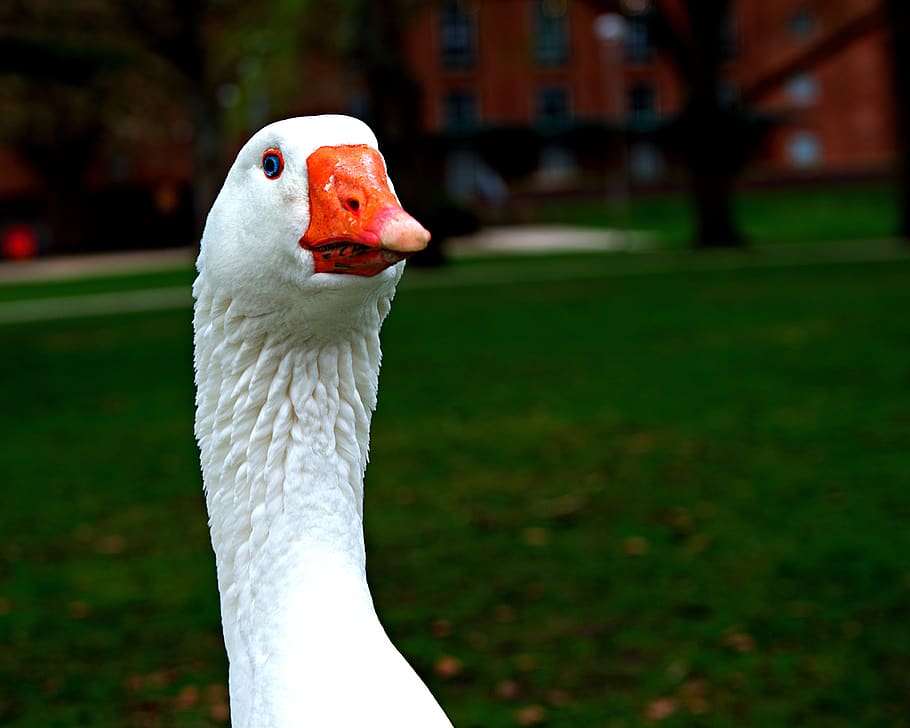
x=356, y=225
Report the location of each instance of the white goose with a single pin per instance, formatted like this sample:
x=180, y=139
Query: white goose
x=298, y=265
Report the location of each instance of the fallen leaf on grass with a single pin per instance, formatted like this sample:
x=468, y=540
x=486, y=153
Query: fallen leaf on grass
x=536, y=536
x=531, y=715
x=640, y=443
x=187, y=698
x=677, y=670
x=478, y=640
x=80, y=609
x=739, y=641
x=505, y=613
x=220, y=712
x=698, y=543
x=506, y=690
x=558, y=698
x=157, y=680
x=447, y=667
x=660, y=709
x=51, y=686
x=636, y=546
x=564, y=507
x=679, y=520
x=217, y=697
x=694, y=695
x=111, y=545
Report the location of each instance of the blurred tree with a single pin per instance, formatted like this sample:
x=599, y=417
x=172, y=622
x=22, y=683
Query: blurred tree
x=52, y=83
x=845, y=24
x=376, y=51
x=83, y=75
x=173, y=46
x=712, y=135
x=899, y=21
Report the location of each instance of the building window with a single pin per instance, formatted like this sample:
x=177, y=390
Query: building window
x=552, y=107
x=460, y=111
x=557, y=166
x=646, y=163
x=804, y=150
x=803, y=89
x=551, y=32
x=802, y=24
x=639, y=47
x=642, y=104
x=458, y=49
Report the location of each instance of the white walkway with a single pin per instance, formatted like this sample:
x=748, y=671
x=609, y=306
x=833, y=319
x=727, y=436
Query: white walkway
x=502, y=241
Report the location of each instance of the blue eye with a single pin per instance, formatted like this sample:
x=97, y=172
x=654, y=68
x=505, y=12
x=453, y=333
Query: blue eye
x=272, y=163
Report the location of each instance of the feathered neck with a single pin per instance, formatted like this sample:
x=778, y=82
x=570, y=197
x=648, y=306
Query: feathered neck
x=261, y=383
x=282, y=421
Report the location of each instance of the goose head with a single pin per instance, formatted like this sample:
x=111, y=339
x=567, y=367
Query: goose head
x=297, y=267
x=307, y=216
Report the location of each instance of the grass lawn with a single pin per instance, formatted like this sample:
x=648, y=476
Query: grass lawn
x=808, y=214
x=678, y=497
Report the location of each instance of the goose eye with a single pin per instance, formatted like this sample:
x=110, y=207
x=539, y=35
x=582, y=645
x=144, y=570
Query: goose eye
x=272, y=164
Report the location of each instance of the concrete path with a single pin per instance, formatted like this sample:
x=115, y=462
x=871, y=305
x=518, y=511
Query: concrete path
x=98, y=264
x=502, y=241
x=544, y=239
x=94, y=304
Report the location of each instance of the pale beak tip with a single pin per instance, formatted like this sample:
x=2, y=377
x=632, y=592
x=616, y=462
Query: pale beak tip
x=403, y=234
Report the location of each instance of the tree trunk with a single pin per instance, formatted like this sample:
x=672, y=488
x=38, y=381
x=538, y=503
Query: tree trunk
x=62, y=167
x=899, y=21
x=207, y=159
x=713, y=198
x=712, y=143
x=710, y=137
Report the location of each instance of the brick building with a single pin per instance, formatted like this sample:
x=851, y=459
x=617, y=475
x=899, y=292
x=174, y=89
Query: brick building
x=534, y=70
x=821, y=68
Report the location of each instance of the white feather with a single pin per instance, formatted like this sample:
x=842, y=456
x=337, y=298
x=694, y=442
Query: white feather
x=287, y=365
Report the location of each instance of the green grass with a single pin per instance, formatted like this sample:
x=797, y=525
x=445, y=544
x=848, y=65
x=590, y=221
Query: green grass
x=675, y=492
x=91, y=284
x=810, y=214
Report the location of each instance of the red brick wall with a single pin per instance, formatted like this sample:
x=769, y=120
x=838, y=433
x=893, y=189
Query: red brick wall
x=850, y=117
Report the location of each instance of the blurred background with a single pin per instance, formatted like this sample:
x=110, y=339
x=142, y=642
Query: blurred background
x=120, y=119
x=641, y=453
